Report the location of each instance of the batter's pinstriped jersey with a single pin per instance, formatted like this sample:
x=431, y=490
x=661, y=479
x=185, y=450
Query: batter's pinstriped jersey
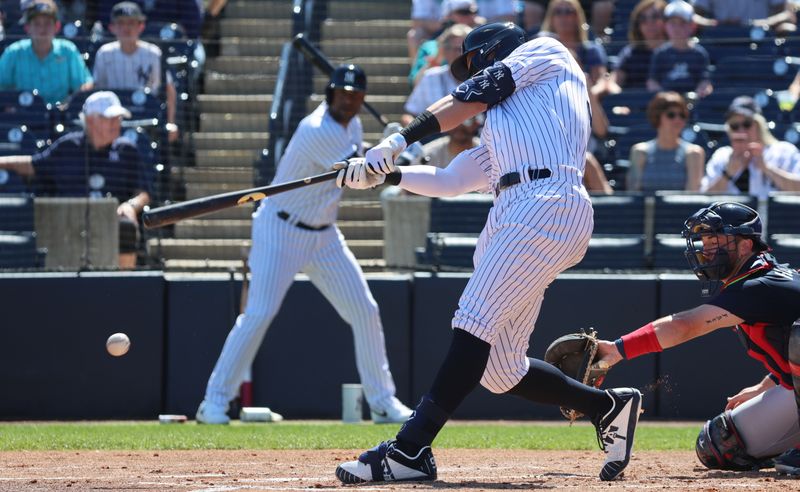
x=318, y=142
x=546, y=122
x=114, y=69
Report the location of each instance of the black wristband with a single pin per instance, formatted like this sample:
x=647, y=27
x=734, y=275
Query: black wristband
x=423, y=126
x=394, y=177
x=620, y=347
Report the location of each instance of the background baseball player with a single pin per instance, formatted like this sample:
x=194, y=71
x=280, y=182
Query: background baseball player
x=295, y=231
x=761, y=298
x=539, y=226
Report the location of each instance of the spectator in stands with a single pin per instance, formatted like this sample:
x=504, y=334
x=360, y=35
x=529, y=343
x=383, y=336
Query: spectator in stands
x=680, y=65
x=97, y=161
x=772, y=14
x=425, y=23
x=444, y=149
x=755, y=162
x=210, y=33
x=130, y=63
x=48, y=64
x=645, y=33
x=599, y=12
x=667, y=162
x=565, y=20
x=532, y=16
x=437, y=81
x=498, y=10
x=453, y=12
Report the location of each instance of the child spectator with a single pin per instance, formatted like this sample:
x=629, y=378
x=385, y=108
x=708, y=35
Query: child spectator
x=667, y=162
x=50, y=65
x=130, y=63
x=680, y=65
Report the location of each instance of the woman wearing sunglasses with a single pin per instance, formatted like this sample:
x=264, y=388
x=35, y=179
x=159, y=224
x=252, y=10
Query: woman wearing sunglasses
x=667, y=162
x=755, y=162
x=645, y=34
x=565, y=20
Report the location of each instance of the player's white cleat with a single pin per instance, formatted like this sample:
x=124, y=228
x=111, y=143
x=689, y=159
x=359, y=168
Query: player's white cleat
x=616, y=429
x=392, y=413
x=211, y=413
x=386, y=463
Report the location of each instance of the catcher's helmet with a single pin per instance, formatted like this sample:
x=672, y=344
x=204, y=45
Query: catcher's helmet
x=348, y=77
x=489, y=43
x=729, y=218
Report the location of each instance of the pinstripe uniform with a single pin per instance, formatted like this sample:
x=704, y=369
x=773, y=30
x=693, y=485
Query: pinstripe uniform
x=281, y=249
x=115, y=69
x=538, y=228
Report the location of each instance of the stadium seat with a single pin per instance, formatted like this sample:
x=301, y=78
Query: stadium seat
x=783, y=213
x=628, y=108
x=620, y=140
x=673, y=208
x=761, y=71
x=786, y=248
x=461, y=214
x=18, y=250
x=25, y=108
x=618, y=214
x=445, y=251
x=614, y=252
x=16, y=213
x=668, y=253
x=711, y=109
x=720, y=49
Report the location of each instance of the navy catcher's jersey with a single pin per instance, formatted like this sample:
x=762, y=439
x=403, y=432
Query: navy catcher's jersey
x=767, y=297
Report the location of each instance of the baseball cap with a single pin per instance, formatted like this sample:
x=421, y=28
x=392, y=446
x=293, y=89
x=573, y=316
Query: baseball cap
x=450, y=6
x=744, y=106
x=38, y=7
x=681, y=9
x=127, y=9
x=106, y=104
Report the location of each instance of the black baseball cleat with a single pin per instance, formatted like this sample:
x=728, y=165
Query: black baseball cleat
x=386, y=463
x=616, y=428
x=788, y=463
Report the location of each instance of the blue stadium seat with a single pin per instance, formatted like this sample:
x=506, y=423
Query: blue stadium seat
x=668, y=253
x=620, y=141
x=752, y=71
x=18, y=250
x=673, y=208
x=720, y=49
x=25, y=108
x=618, y=214
x=16, y=212
x=613, y=252
x=445, y=251
x=786, y=248
x=461, y=214
x=783, y=213
x=628, y=108
x=712, y=108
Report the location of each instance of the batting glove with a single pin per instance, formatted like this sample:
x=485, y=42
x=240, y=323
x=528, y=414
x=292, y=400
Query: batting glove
x=380, y=159
x=356, y=176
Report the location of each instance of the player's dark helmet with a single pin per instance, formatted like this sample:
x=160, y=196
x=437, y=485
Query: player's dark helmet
x=489, y=43
x=348, y=77
x=729, y=218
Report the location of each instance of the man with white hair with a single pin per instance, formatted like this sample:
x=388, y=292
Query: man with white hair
x=96, y=161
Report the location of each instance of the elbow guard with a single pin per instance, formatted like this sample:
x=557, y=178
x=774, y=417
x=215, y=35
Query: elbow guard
x=490, y=86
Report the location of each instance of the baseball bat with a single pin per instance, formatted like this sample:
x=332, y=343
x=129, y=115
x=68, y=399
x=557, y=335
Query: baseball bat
x=319, y=60
x=169, y=214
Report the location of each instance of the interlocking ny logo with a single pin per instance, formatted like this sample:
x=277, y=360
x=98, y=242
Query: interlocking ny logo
x=350, y=77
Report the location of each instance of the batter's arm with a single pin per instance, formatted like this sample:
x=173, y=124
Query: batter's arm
x=450, y=112
x=462, y=175
x=20, y=164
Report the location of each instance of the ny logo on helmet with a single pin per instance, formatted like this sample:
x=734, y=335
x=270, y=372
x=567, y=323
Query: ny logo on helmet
x=350, y=77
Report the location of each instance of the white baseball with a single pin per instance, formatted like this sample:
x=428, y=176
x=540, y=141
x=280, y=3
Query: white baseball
x=118, y=344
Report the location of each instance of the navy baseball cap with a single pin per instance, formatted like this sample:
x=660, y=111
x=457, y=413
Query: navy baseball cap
x=127, y=9
x=38, y=7
x=744, y=106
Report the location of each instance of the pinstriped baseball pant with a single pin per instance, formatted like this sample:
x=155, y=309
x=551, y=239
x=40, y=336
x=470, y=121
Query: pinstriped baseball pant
x=534, y=232
x=279, y=251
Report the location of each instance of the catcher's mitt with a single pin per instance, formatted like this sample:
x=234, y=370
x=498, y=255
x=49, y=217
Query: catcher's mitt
x=574, y=355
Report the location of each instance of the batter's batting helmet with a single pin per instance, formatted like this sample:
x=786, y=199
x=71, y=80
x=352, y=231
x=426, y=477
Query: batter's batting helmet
x=348, y=77
x=487, y=43
x=729, y=218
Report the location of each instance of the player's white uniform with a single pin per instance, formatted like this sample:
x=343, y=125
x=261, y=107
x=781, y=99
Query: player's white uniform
x=536, y=229
x=114, y=69
x=281, y=249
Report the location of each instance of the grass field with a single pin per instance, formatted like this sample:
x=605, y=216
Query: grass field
x=318, y=435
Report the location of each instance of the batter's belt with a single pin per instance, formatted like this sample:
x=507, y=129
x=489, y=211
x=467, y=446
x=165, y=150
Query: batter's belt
x=508, y=180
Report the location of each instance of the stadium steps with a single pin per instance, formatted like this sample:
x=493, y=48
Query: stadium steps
x=225, y=158
x=238, y=175
x=243, y=65
x=259, y=9
x=369, y=9
x=255, y=28
x=240, y=229
x=228, y=249
x=365, y=29
x=224, y=83
x=183, y=265
x=234, y=122
x=230, y=140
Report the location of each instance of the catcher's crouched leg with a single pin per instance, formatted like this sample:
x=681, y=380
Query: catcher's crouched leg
x=747, y=437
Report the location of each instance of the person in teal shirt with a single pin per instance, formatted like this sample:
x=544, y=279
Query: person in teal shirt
x=53, y=67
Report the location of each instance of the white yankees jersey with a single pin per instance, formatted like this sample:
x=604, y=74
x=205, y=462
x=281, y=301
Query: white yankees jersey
x=536, y=229
x=114, y=69
x=281, y=249
x=318, y=142
x=435, y=83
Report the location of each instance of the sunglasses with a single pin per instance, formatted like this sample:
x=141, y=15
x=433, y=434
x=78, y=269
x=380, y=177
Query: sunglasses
x=675, y=114
x=746, y=124
x=650, y=18
x=564, y=11
x=464, y=12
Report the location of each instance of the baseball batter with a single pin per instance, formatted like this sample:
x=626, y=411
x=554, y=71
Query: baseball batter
x=294, y=232
x=532, y=159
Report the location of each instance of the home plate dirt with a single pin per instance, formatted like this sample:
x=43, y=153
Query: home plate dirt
x=467, y=469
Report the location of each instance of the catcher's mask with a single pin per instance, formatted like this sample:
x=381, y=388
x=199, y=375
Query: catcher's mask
x=729, y=219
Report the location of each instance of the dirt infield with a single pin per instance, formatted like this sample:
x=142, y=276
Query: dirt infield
x=306, y=470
